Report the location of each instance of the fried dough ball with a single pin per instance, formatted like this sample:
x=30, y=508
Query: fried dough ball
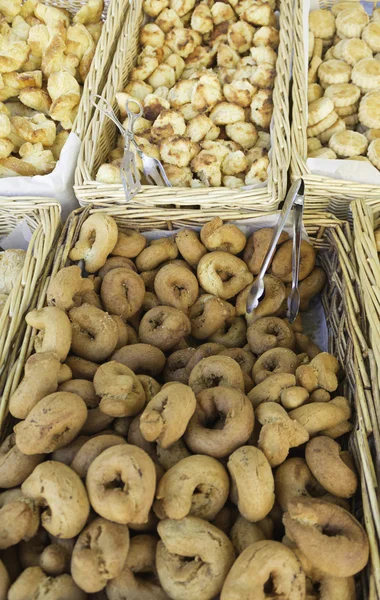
x=239, y=92
x=240, y=36
x=244, y=134
x=178, y=150
x=168, y=123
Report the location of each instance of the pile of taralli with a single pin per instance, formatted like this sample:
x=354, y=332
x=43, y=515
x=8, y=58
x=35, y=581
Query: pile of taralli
x=205, y=78
x=45, y=55
x=165, y=446
x=344, y=83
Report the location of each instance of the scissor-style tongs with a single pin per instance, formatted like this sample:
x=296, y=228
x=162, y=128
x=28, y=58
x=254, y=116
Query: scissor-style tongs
x=294, y=200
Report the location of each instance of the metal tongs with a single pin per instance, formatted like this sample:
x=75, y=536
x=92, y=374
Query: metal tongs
x=153, y=170
x=294, y=200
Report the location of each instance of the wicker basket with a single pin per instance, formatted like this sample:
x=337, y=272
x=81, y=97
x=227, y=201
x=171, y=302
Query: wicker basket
x=101, y=138
x=343, y=307
x=321, y=193
x=43, y=219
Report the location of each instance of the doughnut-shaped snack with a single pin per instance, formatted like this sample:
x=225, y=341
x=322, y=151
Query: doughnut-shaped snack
x=258, y=245
x=96, y=419
x=54, y=330
x=41, y=374
x=176, y=366
x=269, y=304
x=214, y=371
x=203, y=351
x=293, y=479
x=151, y=387
x=129, y=243
x=277, y=360
x=325, y=461
x=245, y=360
x=208, y=314
x=233, y=333
x=270, y=332
x=81, y=368
x=65, y=286
x=34, y=583
x=260, y=562
x=319, y=416
x=121, y=482
x=94, y=333
x=99, y=554
x=197, y=546
x=225, y=237
x=122, y=292
x=67, y=453
x=197, y=486
x=158, y=252
x=271, y=388
x=63, y=497
x=138, y=579
x=190, y=247
x=167, y=415
x=91, y=448
x=19, y=518
x=222, y=274
x=168, y=457
x=164, y=327
x=97, y=239
x=15, y=466
x=54, y=422
x=141, y=359
x=175, y=285
x=250, y=471
x=122, y=394
x=116, y=262
x=282, y=261
x=223, y=421
x=330, y=537
x=244, y=534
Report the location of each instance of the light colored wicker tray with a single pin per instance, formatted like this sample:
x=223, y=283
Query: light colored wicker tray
x=101, y=138
x=321, y=193
x=42, y=216
x=344, y=310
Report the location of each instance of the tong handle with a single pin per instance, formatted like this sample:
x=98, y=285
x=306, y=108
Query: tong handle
x=294, y=296
x=108, y=111
x=132, y=116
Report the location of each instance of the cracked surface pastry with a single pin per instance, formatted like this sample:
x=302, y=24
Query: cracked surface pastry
x=205, y=72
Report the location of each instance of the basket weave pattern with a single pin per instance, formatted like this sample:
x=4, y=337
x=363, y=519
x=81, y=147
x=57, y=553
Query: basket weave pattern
x=321, y=193
x=101, y=139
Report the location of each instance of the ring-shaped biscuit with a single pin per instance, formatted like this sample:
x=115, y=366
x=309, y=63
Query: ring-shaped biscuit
x=120, y=483
x=94, y=333
x=129, y=243
x=270, y=332
x=190, y=247
x=222, y=274
x=330, y=537
x=165, y=419
x=176, y=366
x=232, y=334
x=260, y=563
x=203, y=351
x=214, y=371
x=91, y=449
x=208, y=314
x=81, y=368
x=164, y=327
x=325, y=462
x=116, y=262
x=223, y=420
x=96, y=419
x=197, y=486
x=282, y=261
x=158, y=252
x=225, y=237
x=142, y=359
x=176, y=286
x=277, y=360
x=197, y=548
x=122, y=292
x=293, y=479
x=270, y=302
x=97, y=238
x=121, y=393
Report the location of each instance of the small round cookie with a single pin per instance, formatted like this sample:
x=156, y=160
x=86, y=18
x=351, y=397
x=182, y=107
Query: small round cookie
x=338, y=126
x=369, y=110
x=318, y=128
x=348, y=143
x=334, y=71
x=371, y=36
x=366, y=74
x=322, y=153
x=313, y=144
x=345, y=111
x=312, y=74
x=319, y=110
x=343, y=94
x=322, y=24
x=314, y=92
x=351, y=121
x=345, y=4
x=350, y=23
x=374, y=153
x=354, y=50
x=372, y=134
x=311, y=44
x=376, y=15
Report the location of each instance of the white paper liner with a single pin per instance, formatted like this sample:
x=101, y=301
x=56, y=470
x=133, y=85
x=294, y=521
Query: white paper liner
x=18, y=238
x=58, y=184
x=349, y=170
